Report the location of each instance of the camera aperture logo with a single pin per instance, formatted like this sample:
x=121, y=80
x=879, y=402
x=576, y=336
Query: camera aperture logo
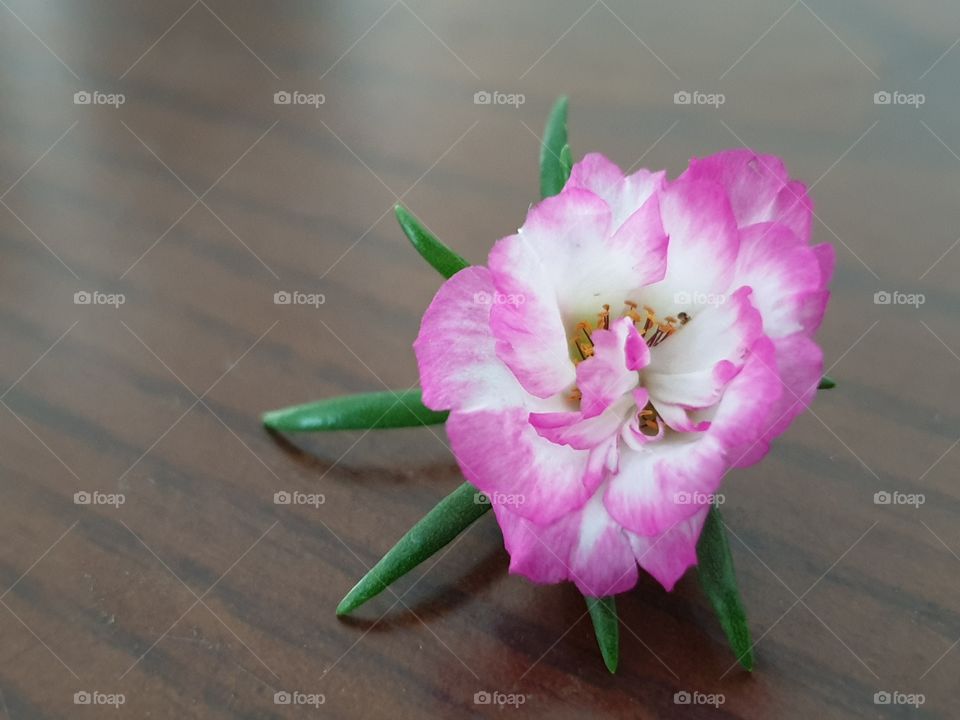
x=95, y=297
x=82, y=497
x=499, y=498
x=296, y=97
x=501, y=699
x=499, y=298
x=684, y=697
x=95, y=697
x=295, y=497
x=96, y=97
x=895, y=297
x=698, y=498
x=895, y=97
x=895, y=697
x=296, y=297
x=283, y=697
x=899, y=498
x=483, y=97
x=684, y=297
x=698, y=97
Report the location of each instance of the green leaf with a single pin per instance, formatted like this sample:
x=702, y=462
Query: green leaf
x=603, y=612
x=827, y=383
x=566, y=161
x=715, y=567
x=553, y=169
x=356, y=412
x=445, y=260
x=437, y=528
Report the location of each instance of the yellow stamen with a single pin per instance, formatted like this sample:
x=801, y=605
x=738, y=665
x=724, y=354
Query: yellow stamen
x=645, y=322
x=604, y=316
x=649, y=421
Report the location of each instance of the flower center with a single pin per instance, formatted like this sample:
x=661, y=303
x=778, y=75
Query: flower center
x=651, y=328
x=648, y=420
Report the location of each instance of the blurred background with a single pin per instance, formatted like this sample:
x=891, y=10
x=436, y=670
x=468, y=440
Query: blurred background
x=167, y=168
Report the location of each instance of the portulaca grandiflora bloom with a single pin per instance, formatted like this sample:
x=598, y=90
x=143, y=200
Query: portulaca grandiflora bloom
x=633, y=342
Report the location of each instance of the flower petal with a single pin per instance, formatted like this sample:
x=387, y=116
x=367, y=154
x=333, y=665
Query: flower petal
x=787, y=278
x=586, y=547
x=759, y=188
x=631, y=432
x=611, y=372
x=693, y=389
x=459, y=367
x=624, y=194
x=563, y=265
x=539, y=553
x=575, y=429
x=703, y=236
x=530, y=335
x=601, y=560
x=597, y=434
x=799, y=366
x=827, y=258
x=746, y=413
x=813, y=304
x=501, y=452
x=712, y=341
x=680, y=418
x=668, y=556
x=653, y=488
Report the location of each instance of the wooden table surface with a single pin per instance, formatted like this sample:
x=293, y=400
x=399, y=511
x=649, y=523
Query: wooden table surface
x=198, y=198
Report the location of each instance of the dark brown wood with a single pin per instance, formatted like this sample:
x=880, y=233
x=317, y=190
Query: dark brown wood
x=200, y=597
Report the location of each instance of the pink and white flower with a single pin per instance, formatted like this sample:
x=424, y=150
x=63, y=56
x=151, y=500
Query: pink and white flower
x=635, y=340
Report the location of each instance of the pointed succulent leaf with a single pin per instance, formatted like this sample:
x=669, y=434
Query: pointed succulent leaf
x=442, y=258
x=603, y=612
x=438, y=527
x=356, y=412
x=554, y=171
x=715, y=568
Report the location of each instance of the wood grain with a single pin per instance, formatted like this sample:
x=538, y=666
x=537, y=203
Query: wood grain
x=199, y=596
